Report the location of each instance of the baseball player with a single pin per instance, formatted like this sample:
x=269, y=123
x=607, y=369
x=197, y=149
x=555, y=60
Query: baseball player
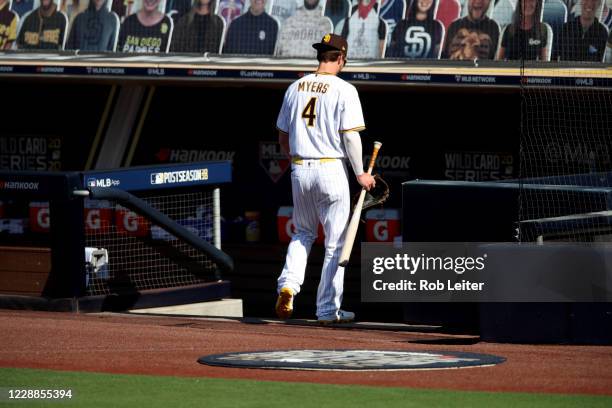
x=318, y=127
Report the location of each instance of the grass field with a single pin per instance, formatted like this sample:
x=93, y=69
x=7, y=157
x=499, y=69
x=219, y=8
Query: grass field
x=111, y=390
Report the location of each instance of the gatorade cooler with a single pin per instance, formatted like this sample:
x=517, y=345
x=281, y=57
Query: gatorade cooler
x=286, y=229
x=39, y=216
x=382, y=225
x=130, y=223
x=98, y=216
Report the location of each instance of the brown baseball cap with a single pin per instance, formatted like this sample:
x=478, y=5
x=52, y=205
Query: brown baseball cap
x=331, y=42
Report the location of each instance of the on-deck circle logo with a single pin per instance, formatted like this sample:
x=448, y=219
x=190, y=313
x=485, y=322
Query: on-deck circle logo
x=352, y=359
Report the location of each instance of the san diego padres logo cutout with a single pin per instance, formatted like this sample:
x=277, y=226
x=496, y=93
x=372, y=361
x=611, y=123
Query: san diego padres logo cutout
x=351, y=360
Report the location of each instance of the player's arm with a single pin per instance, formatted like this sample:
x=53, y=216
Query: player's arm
x=283, y=140
x=354, y=151
x=282, y=125
x=351, y=123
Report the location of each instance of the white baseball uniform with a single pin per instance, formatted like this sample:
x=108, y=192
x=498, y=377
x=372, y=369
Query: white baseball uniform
x=316, y=110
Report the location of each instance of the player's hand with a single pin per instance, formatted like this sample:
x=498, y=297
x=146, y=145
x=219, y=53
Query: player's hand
x=366, y=181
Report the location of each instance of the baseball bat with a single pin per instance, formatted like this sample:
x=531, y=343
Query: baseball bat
x=351, y=231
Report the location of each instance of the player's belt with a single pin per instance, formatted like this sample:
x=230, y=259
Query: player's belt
x=300, y=160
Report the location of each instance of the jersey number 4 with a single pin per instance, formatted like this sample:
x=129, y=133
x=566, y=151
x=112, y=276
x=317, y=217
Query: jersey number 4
x=309, y=111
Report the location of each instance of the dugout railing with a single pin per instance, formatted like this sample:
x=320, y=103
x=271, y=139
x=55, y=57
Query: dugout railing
x=114, y=239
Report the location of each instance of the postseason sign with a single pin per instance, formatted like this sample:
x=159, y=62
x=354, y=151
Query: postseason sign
x=182, y=176
x=161, y=176
x=488, y=272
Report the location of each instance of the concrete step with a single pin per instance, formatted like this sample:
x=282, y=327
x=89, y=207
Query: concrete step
x=215, y=308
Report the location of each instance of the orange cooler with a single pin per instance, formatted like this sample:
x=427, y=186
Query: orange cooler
x=286, y=229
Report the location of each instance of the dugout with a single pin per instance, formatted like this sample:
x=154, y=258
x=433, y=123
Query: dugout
x=446, y=121
x=236, y=121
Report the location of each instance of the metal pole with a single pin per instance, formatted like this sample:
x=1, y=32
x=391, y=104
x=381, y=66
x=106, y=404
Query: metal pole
x=217, y=217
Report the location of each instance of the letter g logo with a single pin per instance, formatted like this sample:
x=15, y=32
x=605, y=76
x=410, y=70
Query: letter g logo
x=93, y=219
x=381, y=230
x=130, y=221
x=43, y=218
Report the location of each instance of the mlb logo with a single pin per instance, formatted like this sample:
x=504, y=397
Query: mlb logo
x=157, y=178
x=91, y=182
x=286, y=228
x=382, y=225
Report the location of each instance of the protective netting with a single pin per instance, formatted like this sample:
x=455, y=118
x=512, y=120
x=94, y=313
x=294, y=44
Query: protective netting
x=566, y=165
x=142, y=255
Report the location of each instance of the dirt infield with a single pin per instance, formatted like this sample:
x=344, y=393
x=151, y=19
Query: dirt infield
x=171, y=346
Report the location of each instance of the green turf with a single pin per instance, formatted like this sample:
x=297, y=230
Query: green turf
x=109, y=390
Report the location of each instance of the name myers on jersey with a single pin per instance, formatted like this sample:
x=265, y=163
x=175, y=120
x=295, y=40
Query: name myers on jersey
x=313, y=86
x=181, y=176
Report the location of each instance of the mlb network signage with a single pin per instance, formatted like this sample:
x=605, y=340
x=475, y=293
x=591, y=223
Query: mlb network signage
x=169, y=70
x=159, y=177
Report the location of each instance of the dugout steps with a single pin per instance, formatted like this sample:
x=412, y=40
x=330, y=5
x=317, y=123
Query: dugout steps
x=401, y=327
x=125, y=300
x=213, y=308
x=426, y=334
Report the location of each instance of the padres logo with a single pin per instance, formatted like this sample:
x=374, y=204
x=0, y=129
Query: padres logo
x=326, y=38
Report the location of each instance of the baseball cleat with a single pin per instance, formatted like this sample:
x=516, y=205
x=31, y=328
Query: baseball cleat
x=342, y=316
x=284, y=303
